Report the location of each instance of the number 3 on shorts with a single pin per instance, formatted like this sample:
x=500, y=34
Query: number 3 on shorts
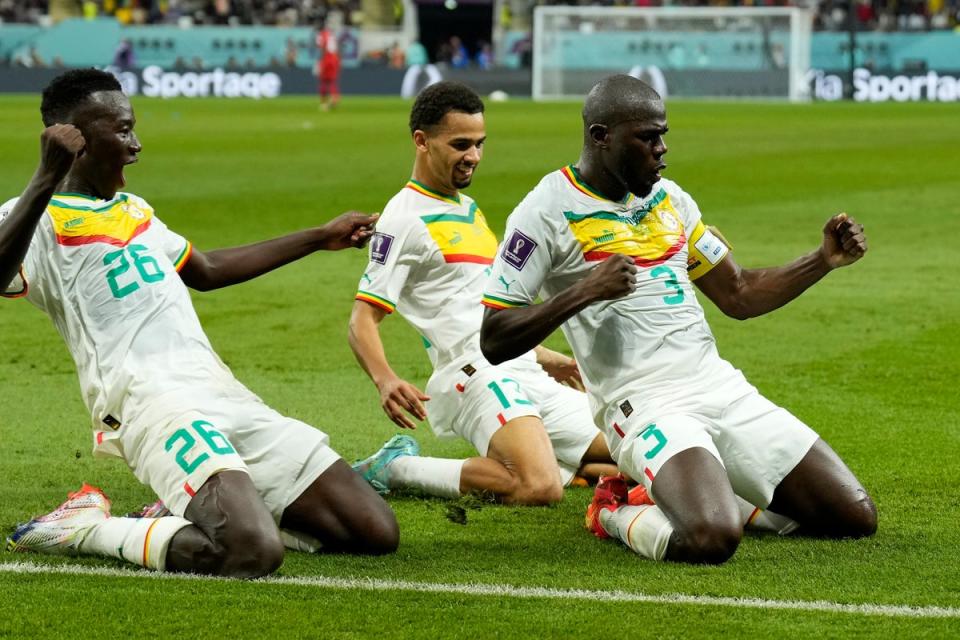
x=215, y=440
x=651, y=431
x=517, y=395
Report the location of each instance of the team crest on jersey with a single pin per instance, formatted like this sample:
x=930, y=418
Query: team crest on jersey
x=132, y=210
x=650, y=234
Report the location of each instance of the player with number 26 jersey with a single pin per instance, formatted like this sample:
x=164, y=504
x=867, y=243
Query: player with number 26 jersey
x=105, y=271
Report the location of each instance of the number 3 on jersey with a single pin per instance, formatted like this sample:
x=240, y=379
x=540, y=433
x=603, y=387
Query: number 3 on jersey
x=147, y=267
x=669, y=283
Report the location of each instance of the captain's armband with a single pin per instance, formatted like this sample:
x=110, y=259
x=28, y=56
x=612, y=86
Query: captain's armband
x=706, y=248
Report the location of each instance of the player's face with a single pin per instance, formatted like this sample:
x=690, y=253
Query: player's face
x=454, y=149
x=106, y=121
x=636, y=150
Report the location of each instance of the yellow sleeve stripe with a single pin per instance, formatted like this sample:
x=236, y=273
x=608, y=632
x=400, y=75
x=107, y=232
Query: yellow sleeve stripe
x=500, y=303
x=183, y=257
x=376, y=301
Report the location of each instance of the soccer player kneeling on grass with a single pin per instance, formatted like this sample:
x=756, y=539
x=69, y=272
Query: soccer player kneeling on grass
x=429, y=260
x=613, y=249
x=232, y=472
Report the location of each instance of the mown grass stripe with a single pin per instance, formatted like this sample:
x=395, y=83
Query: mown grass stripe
x=372, y=584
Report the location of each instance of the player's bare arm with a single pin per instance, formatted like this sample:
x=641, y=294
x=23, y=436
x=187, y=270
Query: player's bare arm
x=60, y=145
x=508, y=333
x=225, y=267
x=560, y=367
x=397, y=396
x=747, y=293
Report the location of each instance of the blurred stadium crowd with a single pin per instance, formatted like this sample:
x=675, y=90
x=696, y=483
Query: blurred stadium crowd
x=832, y=15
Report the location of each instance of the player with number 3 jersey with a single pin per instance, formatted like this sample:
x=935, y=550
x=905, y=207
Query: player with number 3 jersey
x=613, y=250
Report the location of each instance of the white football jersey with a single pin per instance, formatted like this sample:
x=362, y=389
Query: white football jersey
x=429, y=260
x=655, y=338
x=105, y=271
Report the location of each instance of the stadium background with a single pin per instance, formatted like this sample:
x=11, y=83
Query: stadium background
x=869, y=357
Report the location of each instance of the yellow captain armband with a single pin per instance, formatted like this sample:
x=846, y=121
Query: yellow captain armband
x=706, y=248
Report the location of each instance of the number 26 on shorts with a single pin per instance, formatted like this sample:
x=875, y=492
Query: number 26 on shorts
x=215, y=442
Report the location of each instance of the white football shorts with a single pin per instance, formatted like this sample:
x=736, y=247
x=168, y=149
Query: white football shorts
x=757, y=442
x=474, y=400
x=184, y=439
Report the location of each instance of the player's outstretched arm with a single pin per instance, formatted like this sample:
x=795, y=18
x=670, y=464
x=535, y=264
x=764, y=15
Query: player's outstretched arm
x=60, y=145
x=508, y=333
x=560, y=367
x=396, y=394
x=224, y=267
x=747, y=293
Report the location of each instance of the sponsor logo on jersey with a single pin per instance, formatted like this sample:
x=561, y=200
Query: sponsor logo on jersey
x=626, y=408
x=380, y=247
x=518, y=250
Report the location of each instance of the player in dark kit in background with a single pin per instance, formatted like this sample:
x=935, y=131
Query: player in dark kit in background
x=114, y=281
x=613, y=249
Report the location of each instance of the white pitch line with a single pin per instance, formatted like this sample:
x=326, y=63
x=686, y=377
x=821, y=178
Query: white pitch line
x=373, y=584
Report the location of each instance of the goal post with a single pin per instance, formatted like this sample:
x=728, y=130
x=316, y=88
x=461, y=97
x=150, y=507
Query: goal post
x=697, y=52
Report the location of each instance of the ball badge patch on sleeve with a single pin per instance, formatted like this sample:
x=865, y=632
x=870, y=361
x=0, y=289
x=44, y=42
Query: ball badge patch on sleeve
x=380, y=247
x=518, y=250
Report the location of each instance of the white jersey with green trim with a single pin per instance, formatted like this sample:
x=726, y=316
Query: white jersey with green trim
x=105, y=271
x=429, y=259
x=657, y=336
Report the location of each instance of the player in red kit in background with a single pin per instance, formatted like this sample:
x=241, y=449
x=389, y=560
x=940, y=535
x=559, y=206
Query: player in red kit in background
x=328, y=68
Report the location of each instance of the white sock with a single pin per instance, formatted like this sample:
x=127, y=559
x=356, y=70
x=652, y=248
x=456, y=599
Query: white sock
x=760, y=520
x=300, y=541
x=642, y=528
x=434, y=476
x=142, y=541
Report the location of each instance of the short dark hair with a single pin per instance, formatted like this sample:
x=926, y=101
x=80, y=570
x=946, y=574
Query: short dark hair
x=438, y=100
x=615, y=99
x=69, y=90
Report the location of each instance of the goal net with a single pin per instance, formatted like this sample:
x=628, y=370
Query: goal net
x=736, y=52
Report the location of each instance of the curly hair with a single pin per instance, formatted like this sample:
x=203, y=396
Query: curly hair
x=438, y=100
x=69, y=90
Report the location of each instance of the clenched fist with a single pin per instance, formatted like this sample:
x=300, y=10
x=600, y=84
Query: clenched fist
x=843, y=241
x=60, y=145
x=615, y=278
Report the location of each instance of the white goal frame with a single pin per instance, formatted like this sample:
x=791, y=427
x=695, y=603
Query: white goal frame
x=798, y=62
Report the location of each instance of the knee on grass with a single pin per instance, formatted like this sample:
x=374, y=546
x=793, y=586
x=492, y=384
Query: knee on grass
x=379, y=536
x=856, y=520
x=535, y=493
x=239, y=552
x=708, y=543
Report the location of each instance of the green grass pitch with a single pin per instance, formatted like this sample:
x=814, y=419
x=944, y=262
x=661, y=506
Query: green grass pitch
x=869, y=358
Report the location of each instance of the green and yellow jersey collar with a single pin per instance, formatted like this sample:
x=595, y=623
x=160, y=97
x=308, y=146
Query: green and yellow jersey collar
x=573, y=176
x=419, y=187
